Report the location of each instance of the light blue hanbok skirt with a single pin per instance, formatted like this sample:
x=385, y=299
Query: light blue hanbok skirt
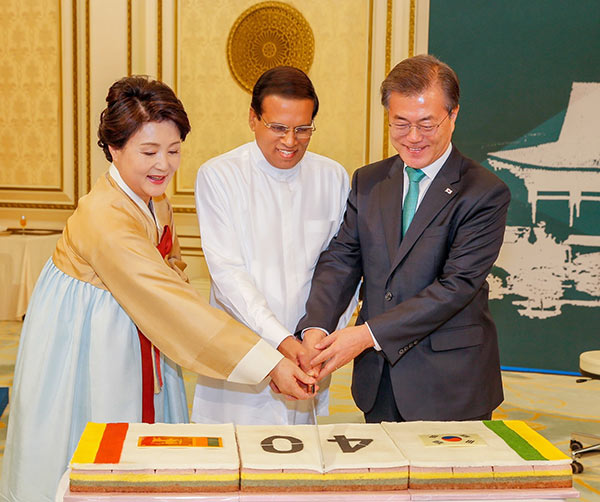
x=78, y=362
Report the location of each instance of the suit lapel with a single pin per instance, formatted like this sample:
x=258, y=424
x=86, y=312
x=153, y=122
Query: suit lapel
x=390, y=206
x=443, y=188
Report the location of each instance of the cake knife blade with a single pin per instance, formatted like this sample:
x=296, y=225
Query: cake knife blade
x=316, y=429
x=313, y=406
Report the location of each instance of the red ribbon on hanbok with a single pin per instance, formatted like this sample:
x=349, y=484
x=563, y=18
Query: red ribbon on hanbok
x=148, y=365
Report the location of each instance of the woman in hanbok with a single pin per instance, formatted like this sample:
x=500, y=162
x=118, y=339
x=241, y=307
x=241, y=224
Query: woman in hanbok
x=112, y=314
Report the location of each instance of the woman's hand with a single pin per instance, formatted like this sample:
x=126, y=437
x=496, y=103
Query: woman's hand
x=289, y=380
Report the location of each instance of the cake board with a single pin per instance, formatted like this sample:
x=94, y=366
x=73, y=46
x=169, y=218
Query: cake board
x=326, y=497
x=531, y=495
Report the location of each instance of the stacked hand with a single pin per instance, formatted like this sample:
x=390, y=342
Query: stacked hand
x=288, y=379
x=339, y=348
x=299, y=382
x=311, y=339
x=315, y=358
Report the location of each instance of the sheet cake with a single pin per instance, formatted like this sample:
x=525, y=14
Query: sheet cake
x=201, y=458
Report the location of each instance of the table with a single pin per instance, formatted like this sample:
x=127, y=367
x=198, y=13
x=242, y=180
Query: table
x=22, y=257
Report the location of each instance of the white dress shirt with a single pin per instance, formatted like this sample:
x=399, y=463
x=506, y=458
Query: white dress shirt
x=262, y=231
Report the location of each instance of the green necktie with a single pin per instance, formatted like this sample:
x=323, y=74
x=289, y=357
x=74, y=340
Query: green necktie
x=410, y=202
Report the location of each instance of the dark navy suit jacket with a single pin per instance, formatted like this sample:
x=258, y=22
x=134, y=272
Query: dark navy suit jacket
x=425, y=296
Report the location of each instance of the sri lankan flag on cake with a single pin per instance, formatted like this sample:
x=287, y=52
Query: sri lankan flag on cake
x=479, y=455
x=119, y=457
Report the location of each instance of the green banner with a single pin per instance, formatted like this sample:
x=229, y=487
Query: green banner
x=530, y=112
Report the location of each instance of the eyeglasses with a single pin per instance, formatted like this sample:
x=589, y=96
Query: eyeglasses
x=403, y=128
x=301, y=132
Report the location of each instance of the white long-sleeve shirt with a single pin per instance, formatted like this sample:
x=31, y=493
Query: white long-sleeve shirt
x=262, y=231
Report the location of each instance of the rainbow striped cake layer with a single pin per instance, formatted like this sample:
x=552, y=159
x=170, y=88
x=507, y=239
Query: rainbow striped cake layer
x=337, y=457
x=155, y=458
x=479, y=455
x=290, y=480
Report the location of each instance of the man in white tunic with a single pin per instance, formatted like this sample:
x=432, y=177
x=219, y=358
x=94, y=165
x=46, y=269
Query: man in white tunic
x=266, y=210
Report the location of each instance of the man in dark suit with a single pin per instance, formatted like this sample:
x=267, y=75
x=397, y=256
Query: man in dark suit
x=422, y=230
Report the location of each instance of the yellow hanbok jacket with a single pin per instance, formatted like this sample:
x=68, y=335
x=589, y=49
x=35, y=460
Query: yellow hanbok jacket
x=110, y=243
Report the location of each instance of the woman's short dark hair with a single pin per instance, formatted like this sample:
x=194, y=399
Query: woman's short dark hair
x=414, y=75
x=133, y=101
x=285, y=81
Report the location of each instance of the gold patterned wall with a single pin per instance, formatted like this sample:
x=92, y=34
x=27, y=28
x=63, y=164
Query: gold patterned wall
x=58, y=58
x=340, y=75
x=218, y=106
x=30, y=94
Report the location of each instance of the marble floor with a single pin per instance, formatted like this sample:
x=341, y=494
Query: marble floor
x=554, y=405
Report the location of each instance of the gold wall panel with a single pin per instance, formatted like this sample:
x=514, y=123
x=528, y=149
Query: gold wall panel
x=218, y=107
x=340, y=75
x=30, y=95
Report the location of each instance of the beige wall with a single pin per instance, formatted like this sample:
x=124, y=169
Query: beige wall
x=58, y=58
x=218, y=106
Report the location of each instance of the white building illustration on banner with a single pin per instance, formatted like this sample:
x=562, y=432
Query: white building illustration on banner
x=543, y=273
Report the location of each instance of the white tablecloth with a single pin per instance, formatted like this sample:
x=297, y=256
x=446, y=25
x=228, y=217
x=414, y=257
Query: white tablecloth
x=22, y=258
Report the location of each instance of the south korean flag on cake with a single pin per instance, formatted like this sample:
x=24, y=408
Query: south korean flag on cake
x=452, y=440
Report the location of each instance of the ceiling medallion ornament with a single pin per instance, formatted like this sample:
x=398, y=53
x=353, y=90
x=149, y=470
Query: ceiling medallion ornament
x=266, y=35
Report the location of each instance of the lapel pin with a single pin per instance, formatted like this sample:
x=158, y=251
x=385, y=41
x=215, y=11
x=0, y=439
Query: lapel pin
x=448, y=191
